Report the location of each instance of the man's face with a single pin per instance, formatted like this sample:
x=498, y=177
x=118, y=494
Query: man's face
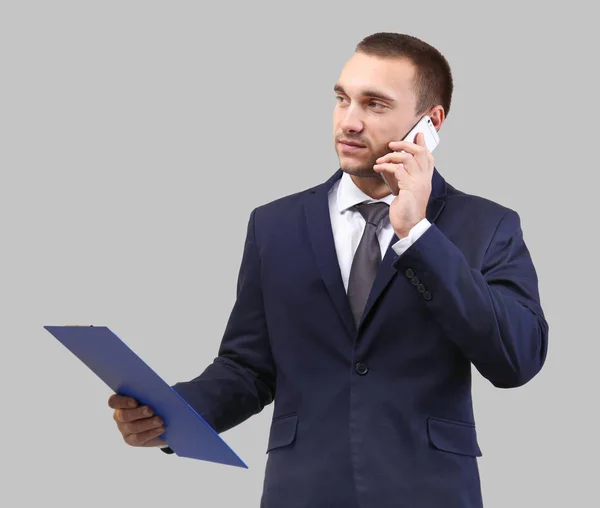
x=376, y=104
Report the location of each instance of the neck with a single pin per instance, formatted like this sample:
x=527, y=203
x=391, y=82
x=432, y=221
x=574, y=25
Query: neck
x=375, y=188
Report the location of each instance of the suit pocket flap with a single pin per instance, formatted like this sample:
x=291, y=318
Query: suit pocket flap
x=455, y=437
x=283, y=431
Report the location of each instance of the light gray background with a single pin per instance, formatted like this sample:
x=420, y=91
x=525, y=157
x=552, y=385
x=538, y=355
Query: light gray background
x=132, y=133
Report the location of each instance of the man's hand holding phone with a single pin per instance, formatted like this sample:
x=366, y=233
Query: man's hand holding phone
x=409, y=168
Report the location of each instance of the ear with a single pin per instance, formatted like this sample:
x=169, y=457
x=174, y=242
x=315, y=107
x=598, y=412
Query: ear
x=437, y=116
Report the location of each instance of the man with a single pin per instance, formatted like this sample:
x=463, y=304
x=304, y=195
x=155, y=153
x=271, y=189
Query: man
x=361, y=321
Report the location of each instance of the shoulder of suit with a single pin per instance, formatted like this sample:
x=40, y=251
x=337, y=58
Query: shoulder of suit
x=286, y=203
x=474, y=203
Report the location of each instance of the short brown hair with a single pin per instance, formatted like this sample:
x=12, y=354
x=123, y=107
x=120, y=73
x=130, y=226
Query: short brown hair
x=433, y=78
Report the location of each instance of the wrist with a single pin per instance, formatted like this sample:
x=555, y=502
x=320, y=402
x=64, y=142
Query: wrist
x=405, y=231
x=415, y=230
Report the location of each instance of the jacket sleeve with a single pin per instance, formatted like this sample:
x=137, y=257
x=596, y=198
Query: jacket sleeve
x=492, y=314
x=241, y=379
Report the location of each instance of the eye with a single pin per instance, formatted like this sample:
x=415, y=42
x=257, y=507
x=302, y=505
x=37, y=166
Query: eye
x=376, y=105
x=340, y=98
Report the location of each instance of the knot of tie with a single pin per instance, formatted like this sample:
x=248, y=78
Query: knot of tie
x=373, y=213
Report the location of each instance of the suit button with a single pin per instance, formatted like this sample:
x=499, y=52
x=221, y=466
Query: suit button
x=410, y=273
x=421, y=288
x=361, y=368
x=427, y=295
x=415, y=281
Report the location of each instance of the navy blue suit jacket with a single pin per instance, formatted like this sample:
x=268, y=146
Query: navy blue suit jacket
x=380, y=415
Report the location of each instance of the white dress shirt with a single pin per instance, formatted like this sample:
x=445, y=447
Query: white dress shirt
x=348, y=225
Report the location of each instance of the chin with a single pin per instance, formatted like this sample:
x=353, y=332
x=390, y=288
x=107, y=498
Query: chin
x=360, y=172
x=356, y=169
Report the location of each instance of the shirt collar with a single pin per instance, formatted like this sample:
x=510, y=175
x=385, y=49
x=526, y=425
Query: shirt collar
x=349, y=194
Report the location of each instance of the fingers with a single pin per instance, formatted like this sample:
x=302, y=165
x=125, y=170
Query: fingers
x=123, y=409
x=395, y=157
x=146, y=438
x=415, y=148
x=142, y=432
x=398, y=173
x=418, y=151
x=117, y=401
x=402, y=158
x=137, y=423
x=130, y=415
x=138, y=426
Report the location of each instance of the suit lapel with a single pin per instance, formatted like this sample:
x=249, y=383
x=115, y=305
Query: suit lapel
x=316, y=208
x=386, y=269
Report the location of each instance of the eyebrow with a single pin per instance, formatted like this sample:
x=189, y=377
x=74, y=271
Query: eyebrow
x=366, y=93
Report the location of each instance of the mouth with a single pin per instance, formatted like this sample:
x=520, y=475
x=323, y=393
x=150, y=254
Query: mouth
x=350, y=146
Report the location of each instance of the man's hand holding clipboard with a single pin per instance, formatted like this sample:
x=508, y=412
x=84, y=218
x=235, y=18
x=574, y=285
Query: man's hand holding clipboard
x=171, y=422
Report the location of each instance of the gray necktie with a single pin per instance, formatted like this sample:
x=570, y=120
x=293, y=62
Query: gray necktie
x=367, y=257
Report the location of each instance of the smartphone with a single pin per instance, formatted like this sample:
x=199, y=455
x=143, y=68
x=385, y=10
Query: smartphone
x=432, y=139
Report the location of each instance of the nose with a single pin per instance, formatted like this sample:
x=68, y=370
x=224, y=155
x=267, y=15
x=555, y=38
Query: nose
x=351, y=120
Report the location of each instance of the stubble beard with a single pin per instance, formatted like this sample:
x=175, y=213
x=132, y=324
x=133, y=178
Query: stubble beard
x=364, y=170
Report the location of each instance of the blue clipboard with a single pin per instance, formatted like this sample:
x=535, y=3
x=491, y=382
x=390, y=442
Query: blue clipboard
x=186, y=432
